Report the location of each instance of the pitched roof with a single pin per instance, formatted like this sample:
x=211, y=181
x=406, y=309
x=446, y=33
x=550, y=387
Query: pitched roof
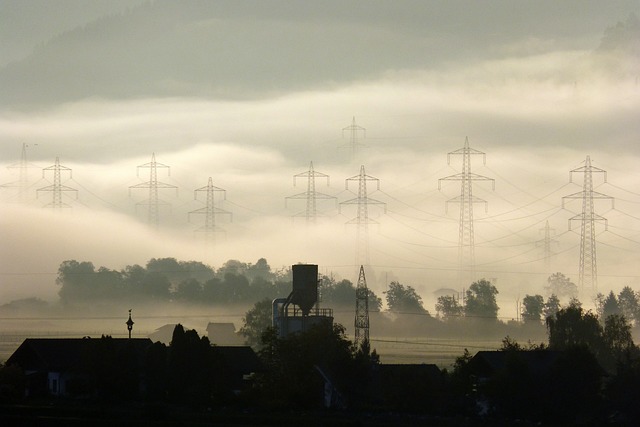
x=489, y=362
x=60, y=354
x=223, y=334
x=240, y=359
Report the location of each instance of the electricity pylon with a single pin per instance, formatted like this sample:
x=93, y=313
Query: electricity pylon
x=362, y=219
x=210, y=210
x=588, y=269
x=57, y=188
x=354, y=141
x=546, y=244
x=362, y=311
x=466, y=245
x=23, y=177
x=153, y=202
x=311, y=195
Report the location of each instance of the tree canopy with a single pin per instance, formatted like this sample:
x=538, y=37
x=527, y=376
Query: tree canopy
x=403, y=299
x=480, y=300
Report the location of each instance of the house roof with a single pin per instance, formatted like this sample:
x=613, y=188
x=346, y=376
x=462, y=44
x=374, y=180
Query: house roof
x=241, y=359
x=490, y=362
x=223, y=334
x=60, y=354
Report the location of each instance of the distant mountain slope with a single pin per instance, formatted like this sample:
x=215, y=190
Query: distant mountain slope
x=254, y=48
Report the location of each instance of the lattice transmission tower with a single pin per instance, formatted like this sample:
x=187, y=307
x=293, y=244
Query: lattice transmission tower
x=22, y=184
x=311, y=195
x=466, y=199
x=210, y=210
x=153, y=203
x=57, y=188
x=362, y=311
x=546, y=243
x=354, y=132
x=362, y=219
x=588, y=268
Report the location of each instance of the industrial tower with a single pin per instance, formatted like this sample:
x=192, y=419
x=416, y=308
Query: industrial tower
x=23, y=177
x=57, y=188
x=546, y=244
x=354, y=141
x=153, y=202
x=311, y=195
x=362, y=311
x=362, y=219
x=466, y=246
x=210, y=210
x=588, y=269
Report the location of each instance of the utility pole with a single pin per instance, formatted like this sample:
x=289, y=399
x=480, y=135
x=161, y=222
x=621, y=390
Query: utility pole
x=210, y=210
x=153, y=202
x=362, y=312
x=588, y=269
x=362, y=219
x=466, y=245
x=57, y=188
x=311, y=195
x=354, y=142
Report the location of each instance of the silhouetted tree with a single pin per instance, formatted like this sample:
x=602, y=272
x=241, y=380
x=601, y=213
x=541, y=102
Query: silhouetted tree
x=533, y=307
x=618, y=339
x=292, y=380
x=551, y=307
x=449, y=308
x=561, y=286
x=629, y=304
x=572, y=326
x=156, y=285
x=189, y=290
x=610, y=306
x=403, y=299
x=190, y=367
x=480, y=300
x=256, y=321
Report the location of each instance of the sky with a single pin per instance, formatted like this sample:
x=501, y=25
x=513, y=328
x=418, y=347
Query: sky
x=536, y=86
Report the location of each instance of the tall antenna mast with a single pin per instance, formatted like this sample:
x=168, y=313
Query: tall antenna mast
x=466, y=245
x=354, y=142
x=311, y=195
x=362, y=312
x=588, y=269
x=57, y=188
x=362, y=219
x=153, y=202
x=210, y=210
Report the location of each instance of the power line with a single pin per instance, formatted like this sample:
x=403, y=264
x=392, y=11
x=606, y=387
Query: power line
x=466, y=245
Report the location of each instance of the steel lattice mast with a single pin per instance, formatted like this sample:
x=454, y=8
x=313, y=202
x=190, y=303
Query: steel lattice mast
x=362, y=219
x=23, y=178
x=362, y=311
x=57, y=188
x=153, y=202
x=588, y=269
x=546, y=244
x=311, y=195
x=210, y=210
x=353, y=129
x=466, y=245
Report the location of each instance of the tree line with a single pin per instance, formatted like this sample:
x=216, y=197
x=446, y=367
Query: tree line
x=167, y=280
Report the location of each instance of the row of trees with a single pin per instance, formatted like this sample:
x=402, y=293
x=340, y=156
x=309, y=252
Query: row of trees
x=166, y=279
x=592, y=364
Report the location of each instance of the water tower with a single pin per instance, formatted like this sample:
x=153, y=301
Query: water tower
x=300, y=311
